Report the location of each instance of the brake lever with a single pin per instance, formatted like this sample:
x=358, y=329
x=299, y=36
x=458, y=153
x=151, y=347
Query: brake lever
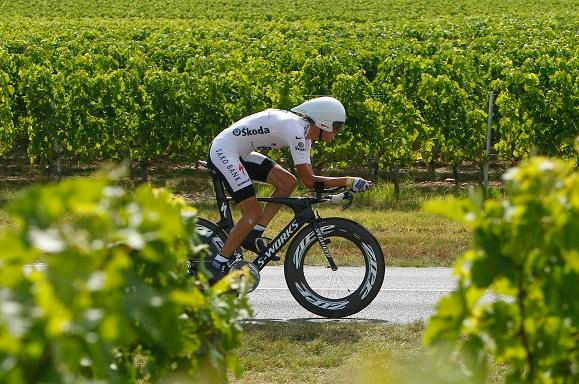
x=329, y=190
x=320, y=193
x=350, y=198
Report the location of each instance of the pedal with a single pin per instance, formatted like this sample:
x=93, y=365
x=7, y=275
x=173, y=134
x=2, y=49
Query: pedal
x=194, y=265
x=239, y=265
x=263, y=243
x=238, y=254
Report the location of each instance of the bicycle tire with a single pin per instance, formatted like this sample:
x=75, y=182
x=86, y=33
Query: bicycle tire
x=359, y=244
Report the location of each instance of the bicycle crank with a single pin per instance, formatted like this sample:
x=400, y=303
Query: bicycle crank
x=253, y=271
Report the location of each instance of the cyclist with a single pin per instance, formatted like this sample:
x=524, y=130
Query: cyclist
x=233, y=155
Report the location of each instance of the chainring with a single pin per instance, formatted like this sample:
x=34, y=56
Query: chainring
x=253, y=271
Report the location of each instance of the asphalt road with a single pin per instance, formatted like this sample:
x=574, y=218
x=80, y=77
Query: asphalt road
x=407, y=295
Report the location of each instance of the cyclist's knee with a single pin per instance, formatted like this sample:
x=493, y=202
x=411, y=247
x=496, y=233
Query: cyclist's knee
x=292, y=183
x=287, y=184
x=282, y=180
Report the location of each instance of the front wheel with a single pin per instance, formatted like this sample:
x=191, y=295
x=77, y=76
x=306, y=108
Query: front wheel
x=346, y=290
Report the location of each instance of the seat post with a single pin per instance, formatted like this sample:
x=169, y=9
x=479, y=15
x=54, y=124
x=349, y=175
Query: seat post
x=226, y=221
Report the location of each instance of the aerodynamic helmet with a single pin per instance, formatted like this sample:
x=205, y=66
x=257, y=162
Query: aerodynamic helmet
x=326, y=112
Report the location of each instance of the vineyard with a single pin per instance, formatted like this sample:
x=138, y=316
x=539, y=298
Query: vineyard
x=147, y=80
x=150, y=81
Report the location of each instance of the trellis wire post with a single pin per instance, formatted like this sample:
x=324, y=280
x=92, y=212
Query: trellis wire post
x=488, y=147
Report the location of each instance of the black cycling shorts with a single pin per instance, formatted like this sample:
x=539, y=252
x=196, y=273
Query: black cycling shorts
x=236, y=171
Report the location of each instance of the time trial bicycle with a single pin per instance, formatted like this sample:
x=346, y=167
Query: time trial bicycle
x=333, y=267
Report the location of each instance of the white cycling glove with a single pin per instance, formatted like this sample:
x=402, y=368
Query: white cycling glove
x=357, y=184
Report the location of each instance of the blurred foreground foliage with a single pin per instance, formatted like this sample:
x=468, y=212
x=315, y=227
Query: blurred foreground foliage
x=525, y=261
x=112, y=303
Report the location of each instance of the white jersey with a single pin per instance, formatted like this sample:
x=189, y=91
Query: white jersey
x=270, y=129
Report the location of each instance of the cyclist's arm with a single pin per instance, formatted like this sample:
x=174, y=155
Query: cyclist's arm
x=306, y=175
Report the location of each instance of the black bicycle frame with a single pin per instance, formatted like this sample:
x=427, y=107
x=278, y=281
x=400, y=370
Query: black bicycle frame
x=302, y=207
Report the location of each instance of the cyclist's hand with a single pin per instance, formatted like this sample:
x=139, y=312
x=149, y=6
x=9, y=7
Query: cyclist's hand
x=357, y=184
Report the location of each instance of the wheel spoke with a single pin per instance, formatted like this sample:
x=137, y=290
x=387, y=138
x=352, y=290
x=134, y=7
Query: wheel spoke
x=334, y=284
x=345, y=285
x=330, y=285
x=347, y=276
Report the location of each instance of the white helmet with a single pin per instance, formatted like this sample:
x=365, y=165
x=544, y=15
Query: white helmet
x=324, y=111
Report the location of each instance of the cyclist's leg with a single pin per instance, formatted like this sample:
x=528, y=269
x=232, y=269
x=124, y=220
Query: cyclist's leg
x=261, y=168
x=250, y=213
x=284, y=183
x=221, y=263
x=225, y=160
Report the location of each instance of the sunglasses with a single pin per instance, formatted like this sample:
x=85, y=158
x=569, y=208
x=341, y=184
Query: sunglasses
x=337, y=126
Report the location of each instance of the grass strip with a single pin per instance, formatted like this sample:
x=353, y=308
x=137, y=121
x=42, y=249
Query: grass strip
x=408, y=239
x=342, y=352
